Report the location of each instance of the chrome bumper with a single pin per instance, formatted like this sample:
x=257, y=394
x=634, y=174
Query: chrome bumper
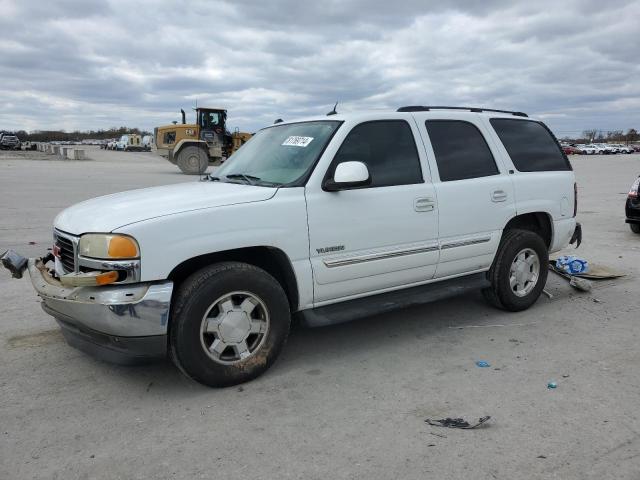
x=132, y=310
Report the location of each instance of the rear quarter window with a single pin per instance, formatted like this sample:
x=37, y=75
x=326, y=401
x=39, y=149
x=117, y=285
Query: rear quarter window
x=530, y=145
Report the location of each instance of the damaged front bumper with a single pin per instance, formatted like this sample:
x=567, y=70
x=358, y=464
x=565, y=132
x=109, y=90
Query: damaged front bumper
x=123, y=324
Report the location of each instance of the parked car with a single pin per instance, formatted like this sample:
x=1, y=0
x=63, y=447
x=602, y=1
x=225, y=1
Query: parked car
x=632, y=207
x=622, y=148
x=587, y=149
x=325, y=219
x=9, y=142
x=570, y=150
x=605, y=148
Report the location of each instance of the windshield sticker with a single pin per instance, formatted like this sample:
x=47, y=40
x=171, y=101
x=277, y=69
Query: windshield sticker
x=294, y=141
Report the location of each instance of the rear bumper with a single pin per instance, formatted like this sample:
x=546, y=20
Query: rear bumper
x=119, y=323
x=565, y=231
x=632, y=211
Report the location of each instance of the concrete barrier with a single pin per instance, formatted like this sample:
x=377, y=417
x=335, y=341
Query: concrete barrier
x=78, y=154
x=64, y=151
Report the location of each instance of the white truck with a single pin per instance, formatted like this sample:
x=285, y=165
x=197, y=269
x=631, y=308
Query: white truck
x=322, y=220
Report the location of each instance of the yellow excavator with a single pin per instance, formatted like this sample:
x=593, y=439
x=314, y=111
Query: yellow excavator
x=195, y=146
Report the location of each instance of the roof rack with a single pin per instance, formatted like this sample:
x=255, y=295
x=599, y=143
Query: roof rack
x=422, y=108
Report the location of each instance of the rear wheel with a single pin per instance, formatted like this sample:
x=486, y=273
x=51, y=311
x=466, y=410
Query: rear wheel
x=229, y=324
x=192, y=160
x=519, y=271
x=635, y=228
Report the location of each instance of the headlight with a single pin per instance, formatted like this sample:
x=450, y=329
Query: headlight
x=108, y=246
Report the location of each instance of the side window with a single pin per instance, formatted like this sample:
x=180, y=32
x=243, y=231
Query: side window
x=530, y=145
x=388, y=149
x=461, y=150
x=169, y=138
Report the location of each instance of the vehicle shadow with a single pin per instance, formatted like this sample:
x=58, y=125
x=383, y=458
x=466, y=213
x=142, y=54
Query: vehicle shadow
x=307, y=348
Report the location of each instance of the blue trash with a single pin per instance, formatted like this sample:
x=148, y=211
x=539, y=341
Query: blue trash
x=482, y=364
x=552, y=385
x=572, y=265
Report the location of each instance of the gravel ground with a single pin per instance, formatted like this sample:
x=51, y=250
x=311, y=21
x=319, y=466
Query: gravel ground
x=347, y=401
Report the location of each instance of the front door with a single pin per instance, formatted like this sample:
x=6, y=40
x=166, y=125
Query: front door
x=378, y=237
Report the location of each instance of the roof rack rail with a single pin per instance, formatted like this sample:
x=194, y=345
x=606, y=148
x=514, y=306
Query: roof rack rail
x=422, y=108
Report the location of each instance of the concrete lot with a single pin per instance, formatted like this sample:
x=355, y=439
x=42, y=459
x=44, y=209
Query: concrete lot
x=342, y=402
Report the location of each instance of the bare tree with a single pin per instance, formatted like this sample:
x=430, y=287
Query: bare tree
x=590, y=135
x=632, y=135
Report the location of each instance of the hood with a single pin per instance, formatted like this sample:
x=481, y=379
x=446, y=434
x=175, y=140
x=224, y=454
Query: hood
x=105, y=214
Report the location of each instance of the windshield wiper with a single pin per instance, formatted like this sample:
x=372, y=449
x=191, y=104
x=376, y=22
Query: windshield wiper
x=250, y=179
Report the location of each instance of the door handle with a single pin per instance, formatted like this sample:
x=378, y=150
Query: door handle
x=499, y=196
x=424, y=204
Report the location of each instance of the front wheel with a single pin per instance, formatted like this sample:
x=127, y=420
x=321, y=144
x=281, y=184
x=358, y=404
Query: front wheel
x=192, y=160
x=229, y=323
x=635, y=227
x=519, y=271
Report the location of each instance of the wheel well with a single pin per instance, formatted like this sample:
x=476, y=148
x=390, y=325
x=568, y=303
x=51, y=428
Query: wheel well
x=538, y=222
x=185, y=144
x=274, y=261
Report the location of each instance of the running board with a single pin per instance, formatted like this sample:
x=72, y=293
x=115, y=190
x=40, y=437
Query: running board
x=390, y=301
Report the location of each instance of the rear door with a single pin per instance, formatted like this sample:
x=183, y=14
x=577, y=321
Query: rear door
x=474, y=191
x=542, y=175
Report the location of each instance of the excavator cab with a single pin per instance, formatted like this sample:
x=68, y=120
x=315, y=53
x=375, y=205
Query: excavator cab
x=211, y=120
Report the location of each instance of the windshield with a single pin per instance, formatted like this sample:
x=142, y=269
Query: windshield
x=279, y=155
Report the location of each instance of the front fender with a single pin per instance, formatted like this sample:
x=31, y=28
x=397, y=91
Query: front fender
x=185, y=142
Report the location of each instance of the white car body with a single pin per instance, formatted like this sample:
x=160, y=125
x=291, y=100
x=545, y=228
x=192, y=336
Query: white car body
x=175, y=223
x=588, y=149
x=419, y=214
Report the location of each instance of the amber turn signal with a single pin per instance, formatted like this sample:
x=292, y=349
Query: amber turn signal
x=122, y=247
x=88, y=279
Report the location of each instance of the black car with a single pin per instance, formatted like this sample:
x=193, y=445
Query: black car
x=632, y=208
x=9, y=142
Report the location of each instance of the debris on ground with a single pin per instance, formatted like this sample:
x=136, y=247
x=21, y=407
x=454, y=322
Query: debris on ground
x=548, y=294
x=580, y=284
x=482, y=364
x=572, y=265
x=552, y=385
x=457, y=422
x=596, y=272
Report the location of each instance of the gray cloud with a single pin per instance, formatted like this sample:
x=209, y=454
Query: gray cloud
x=78, y=65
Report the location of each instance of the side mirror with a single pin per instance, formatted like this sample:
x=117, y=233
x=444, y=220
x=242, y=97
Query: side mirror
x=348, y=175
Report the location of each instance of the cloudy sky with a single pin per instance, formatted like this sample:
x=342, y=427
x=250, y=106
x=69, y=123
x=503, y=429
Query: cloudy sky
x=80, y=64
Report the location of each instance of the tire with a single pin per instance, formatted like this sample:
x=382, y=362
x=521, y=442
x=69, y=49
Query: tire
x=529, y=247
x=192, y=160
x=635, y=228
x=198, y=302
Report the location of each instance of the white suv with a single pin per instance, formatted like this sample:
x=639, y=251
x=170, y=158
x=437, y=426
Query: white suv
x=324, y=219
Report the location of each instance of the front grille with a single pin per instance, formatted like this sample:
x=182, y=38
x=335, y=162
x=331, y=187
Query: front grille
x=67, y=257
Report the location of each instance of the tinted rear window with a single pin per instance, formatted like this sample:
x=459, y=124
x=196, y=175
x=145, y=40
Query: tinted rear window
x=461, y=150
x=530, y=145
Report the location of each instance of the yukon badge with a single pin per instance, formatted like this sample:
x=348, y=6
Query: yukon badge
x=335, y=248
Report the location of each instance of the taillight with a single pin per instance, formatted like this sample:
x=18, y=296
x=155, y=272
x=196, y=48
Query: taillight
x=633, y=193
x=575, y=199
